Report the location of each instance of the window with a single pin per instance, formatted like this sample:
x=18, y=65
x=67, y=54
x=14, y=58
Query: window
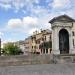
x=32, y=40
x=42, y=39
x=72, y=33
x=38, y=42
x=45, y=38
x=32, y=47
x=50, y=37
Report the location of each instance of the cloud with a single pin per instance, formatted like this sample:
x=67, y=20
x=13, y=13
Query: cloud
x=14, y=23
x=61, y=4
x=28, y=24
x=23, y=25
x=25, y=22
x=5, y=1
x=5, y=6
x=30, y=21
x=39, y=16
x=17, y=4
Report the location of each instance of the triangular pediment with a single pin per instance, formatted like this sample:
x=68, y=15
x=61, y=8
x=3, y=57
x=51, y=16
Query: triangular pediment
x=62, y=18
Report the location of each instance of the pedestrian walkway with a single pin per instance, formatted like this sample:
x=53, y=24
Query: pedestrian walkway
x=44, y=69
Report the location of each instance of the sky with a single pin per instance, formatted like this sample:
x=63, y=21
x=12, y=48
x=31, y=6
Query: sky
x=20, y=18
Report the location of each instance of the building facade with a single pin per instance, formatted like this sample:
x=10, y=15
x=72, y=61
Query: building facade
x=42, y=42
x=46, y=42
x=28, y=45
x=63, y=35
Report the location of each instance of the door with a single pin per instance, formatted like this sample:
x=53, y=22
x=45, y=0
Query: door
x=63, y=41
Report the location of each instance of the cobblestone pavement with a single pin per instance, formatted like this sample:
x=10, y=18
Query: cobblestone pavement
x=44, y=69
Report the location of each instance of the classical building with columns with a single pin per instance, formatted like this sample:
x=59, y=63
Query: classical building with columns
x=63, y=35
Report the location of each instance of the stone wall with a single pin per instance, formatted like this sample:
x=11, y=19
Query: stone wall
x=25, y=59
x=36, y=59
x=64, y=58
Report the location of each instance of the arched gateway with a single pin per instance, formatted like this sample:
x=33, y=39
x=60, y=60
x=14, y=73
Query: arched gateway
x=62, y=37
x=63, y=41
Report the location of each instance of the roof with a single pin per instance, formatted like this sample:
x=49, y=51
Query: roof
x=62, y=16
x=42, y=31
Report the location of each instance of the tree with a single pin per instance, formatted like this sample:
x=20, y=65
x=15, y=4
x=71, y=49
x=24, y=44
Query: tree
x=46, y=45
x=11, y=49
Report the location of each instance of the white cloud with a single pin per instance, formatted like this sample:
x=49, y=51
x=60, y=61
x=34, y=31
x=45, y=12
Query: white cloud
x=5, y=1
x=18, y=4
x=14, y=23
x=39, y=11
x=23, y=25
x=37, y=1
x=31, y=21
x=29, y=24
x=25, y=22
x=61, y=4
x=5, y=6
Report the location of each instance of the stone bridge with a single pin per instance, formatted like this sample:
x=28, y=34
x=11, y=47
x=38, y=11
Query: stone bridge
x=37, y=65
x=41, y=69
x=35, y=59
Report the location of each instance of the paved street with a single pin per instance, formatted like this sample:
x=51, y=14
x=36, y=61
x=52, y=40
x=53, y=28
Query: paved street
x=47, y=69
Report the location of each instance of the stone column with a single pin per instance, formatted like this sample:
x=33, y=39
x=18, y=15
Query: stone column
x=55, y=42
x=71, y=51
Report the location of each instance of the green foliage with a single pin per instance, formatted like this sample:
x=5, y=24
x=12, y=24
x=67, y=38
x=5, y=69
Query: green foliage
x=46, y=45
x=11, y=49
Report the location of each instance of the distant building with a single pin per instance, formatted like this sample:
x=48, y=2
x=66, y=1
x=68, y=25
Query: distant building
x=28, y=45
x=39, y=40
x=46, y=42
x=35, y=42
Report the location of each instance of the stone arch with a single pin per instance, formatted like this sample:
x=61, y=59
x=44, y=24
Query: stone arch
x=64, y=41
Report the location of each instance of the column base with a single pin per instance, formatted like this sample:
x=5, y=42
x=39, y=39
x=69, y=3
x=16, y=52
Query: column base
x=72, y=51
x=55, y=52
